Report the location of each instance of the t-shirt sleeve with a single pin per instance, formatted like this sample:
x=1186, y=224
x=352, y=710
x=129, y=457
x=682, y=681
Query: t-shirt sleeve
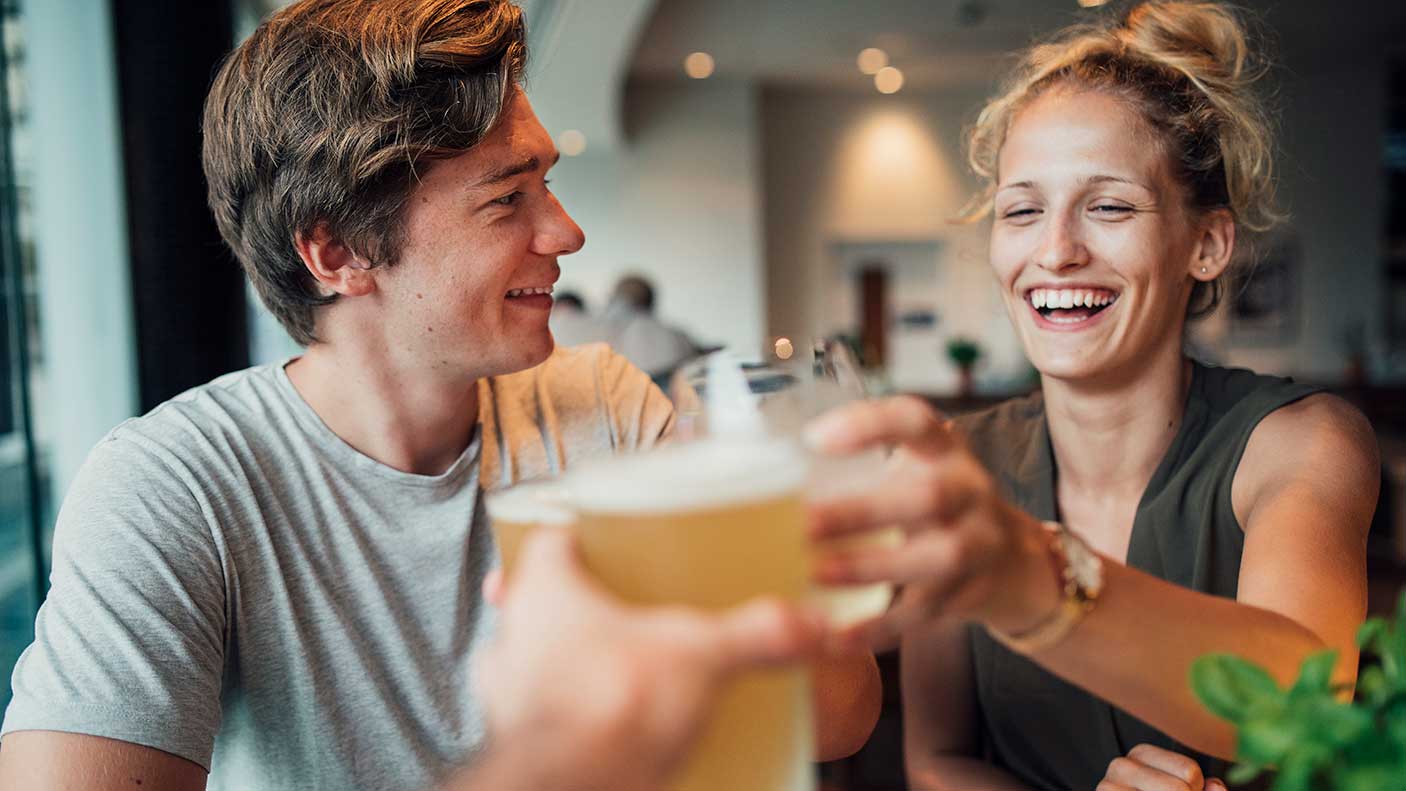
x=639, y=412
x=129, y=643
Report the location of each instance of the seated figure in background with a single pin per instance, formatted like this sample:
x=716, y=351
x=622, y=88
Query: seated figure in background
x=572, y=324
x=637, y=333
x=275, y=578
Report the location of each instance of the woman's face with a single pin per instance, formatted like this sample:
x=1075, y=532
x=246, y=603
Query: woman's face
x=1091, y=240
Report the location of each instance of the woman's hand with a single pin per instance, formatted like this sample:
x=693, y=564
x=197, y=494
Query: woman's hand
x=1149, y=768
x=968, y=552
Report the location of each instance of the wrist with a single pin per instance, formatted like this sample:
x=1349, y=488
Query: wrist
x=1080, y=573
x=1032, y=586
x=517, y=760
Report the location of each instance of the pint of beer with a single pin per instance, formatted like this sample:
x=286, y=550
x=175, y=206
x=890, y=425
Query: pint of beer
x=712, y=524
x=516, y=510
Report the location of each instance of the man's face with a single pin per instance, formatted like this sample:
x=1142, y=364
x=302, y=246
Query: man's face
x=482, y=233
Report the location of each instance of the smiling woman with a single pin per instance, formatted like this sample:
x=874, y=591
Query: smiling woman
x=1175, y=501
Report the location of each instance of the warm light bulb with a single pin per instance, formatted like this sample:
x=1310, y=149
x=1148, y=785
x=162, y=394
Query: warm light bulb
x=872, y=59
x=572, y=142
x=1092, y=3
x=888, y=80
x=699, y=65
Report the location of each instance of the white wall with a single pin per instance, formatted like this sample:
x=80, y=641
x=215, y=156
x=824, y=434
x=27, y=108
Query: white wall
x=854, y=168
x=88, y=374
x=678, y=202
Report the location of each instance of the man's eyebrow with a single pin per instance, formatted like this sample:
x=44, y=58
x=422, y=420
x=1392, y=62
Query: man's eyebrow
x=518, y=168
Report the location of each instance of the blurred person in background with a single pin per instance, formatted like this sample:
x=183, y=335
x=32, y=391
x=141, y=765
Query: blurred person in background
x=1072, y=553
x=572, y=324
x=637, y=334
x=275, y=578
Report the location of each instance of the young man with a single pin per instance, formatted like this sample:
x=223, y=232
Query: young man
x=274, y=578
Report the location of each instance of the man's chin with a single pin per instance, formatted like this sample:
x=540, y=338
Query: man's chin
x=531, y=356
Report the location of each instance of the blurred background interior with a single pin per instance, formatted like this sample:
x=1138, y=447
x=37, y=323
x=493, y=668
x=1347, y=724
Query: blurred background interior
x=772, y=167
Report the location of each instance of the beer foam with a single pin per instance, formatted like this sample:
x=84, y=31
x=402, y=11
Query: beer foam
x=530, y=503
x=714, y=472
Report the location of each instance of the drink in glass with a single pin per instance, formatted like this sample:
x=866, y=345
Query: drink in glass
x=516, y=510
x=712, y=524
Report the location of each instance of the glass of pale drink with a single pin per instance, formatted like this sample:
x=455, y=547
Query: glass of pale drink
x=516, y=510
x=713, y=523
x=789, y=384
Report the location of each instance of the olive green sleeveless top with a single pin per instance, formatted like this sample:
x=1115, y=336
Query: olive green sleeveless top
x=1049, y=733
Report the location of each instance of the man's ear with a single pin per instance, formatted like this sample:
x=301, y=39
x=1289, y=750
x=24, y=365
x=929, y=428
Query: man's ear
x=336, y=267
x=1216, y=246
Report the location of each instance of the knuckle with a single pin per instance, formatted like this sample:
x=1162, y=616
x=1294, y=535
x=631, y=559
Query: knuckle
x=959, y=553
x=929, y=497
x=1120, y=766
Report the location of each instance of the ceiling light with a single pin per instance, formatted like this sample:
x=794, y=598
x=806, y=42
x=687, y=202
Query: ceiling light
x=872, y=59
x=888, y=80
x=572, y=142
x=699, y=65
x=1092, y=3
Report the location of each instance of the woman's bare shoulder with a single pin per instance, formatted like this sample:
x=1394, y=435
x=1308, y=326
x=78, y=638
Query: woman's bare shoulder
x=1320, y=441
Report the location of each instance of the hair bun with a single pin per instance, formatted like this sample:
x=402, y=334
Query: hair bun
x=1204, y=40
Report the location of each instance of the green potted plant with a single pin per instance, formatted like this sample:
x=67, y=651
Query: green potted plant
x=1307, y=734
x=964, y=352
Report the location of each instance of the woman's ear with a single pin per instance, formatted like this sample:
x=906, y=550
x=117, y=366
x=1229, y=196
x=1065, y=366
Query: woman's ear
x=1216, y=246
x=336, y=267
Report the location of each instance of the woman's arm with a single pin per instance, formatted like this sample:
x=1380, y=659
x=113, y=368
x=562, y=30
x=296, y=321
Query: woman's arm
x=970, y=554
x=940, y=715
x=1306, y=488
x=848, y=695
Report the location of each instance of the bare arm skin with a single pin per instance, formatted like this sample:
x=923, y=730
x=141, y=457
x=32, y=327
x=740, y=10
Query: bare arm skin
x=848, y=695
x=54, y=761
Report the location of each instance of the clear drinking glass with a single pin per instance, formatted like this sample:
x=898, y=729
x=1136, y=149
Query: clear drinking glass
x=514, y=511
x=712, y=523
x=791, y=384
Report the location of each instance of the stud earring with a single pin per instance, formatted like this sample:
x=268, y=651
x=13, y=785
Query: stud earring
x=1203, y=270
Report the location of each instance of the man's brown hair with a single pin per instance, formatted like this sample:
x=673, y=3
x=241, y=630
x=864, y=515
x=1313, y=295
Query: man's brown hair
x=326, y=114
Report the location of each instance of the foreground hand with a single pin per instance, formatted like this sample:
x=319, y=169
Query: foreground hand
x=1149, y=768
x=968, y=552
x=600, y=695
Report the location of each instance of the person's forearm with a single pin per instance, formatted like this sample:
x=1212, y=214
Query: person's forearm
x=1137, y=646
x=848, y=695
x=525, y=764
x=960, y=773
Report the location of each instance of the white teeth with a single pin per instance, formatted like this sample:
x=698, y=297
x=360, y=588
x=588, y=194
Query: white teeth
x=519, y=292
x=1067, y=298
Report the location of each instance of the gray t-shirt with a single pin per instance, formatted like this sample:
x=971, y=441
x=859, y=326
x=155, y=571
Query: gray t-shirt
x=236, y=585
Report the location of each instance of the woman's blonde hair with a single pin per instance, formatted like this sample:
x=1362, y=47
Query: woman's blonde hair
x=1189, y=71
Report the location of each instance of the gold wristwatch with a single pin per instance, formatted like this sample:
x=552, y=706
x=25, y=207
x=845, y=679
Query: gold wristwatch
x=1080, y=572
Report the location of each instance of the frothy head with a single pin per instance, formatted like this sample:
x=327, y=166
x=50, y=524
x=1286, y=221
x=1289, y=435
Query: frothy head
x=709, y=473
x=530, y=503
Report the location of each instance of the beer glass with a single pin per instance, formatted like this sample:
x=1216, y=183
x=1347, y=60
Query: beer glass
x=713, y=523
x=516, y=510
x=792, y=383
